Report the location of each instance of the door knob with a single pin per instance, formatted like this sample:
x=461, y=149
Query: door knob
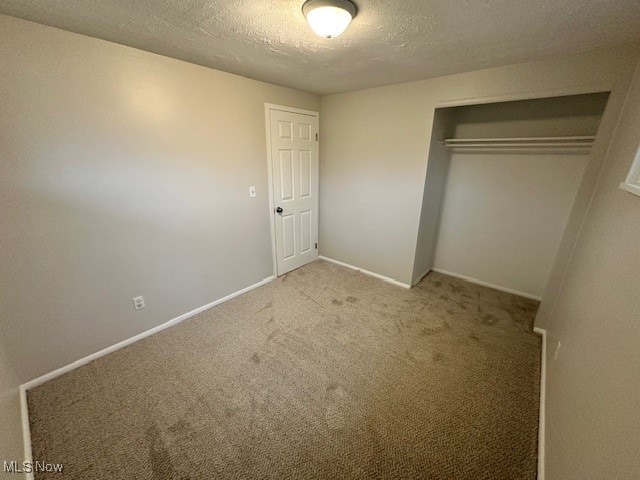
x=279, y=210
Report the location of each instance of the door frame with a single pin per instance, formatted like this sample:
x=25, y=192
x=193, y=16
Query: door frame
x=267, y=113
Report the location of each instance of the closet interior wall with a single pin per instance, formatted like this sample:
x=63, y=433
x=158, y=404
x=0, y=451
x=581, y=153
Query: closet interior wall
x=497, y=215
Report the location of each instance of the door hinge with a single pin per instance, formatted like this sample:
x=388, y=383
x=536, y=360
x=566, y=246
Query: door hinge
x=316, y=137
x=316, y=245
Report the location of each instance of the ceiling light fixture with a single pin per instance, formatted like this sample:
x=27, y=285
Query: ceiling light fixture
x=329, y=18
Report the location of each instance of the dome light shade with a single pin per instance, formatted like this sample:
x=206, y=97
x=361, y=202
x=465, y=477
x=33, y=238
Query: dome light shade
x=329, y=18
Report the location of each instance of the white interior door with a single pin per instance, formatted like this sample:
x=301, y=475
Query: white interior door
x=294, y=162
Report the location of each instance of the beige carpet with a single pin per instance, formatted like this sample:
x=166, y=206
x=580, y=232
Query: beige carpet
x=323, y=374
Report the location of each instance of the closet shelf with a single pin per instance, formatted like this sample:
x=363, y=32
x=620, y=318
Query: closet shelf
x=564, y=143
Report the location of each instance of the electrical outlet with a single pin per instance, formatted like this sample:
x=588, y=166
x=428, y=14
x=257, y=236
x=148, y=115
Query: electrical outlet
x=252, y=192
x=138, y=303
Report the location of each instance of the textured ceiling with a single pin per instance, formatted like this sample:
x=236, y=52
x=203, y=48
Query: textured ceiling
x=388, y=42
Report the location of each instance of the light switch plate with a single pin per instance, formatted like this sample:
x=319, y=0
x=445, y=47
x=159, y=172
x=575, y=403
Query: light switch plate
x=252, y=192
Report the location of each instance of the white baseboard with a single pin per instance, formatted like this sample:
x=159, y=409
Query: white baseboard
x=543, y=397
x=421, y=277
x=89, y=358
x=366, y=272
x=26, y=430
x=487, y=284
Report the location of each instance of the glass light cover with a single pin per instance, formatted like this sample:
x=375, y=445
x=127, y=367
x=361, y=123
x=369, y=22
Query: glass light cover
x=328, y=21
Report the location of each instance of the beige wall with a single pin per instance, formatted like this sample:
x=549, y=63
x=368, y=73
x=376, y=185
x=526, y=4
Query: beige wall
x=503, y=216
x=593, y=385
x=575, y=115
x=375, y=146
x=434, y=189
x=122, y=173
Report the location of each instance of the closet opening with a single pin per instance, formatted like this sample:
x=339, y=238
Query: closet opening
x=501, y=181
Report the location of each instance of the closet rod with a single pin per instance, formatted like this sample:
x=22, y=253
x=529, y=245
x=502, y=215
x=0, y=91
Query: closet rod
x=521, y=145
x=521, y=142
